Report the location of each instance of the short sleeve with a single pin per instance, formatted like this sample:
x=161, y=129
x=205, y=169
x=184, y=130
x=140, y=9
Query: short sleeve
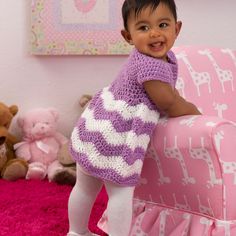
x=149, y=68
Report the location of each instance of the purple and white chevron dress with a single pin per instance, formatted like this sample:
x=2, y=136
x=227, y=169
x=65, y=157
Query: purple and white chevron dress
x=111, y=137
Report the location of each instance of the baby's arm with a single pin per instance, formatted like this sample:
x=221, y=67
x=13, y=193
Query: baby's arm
x=168, y=99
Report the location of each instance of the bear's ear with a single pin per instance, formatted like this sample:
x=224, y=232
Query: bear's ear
x=54, y=112
x=84, y=99
x=13, y=109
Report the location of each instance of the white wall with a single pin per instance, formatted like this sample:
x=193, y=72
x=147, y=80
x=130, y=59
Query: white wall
x=207, y=22
x=31, y=81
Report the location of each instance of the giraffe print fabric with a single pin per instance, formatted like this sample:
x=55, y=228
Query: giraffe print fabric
x=188, y=181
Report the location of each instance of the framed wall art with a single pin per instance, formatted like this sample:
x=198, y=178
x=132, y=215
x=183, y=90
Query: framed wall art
x=77, y=27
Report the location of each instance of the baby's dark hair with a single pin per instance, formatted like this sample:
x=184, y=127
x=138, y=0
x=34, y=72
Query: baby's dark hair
x=137, y=6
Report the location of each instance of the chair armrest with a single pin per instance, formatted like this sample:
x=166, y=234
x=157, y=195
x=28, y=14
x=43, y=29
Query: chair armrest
x=191, y=165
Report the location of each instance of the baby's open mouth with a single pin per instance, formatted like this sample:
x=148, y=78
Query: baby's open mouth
x=157, y=45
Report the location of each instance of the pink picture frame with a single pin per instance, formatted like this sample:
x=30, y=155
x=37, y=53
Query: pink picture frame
x=77, y=27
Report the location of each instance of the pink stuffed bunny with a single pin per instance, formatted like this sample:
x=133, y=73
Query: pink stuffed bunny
x=41, y=143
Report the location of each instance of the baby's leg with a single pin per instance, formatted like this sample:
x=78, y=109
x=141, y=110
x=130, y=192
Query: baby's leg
x=119, y=209
x=81, y=202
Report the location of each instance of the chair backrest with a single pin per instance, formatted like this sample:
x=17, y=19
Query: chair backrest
x=207, y=77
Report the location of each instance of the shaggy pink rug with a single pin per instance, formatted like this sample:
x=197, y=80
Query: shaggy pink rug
x=39, y=208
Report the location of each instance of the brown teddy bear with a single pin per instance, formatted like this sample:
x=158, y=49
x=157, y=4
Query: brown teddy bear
x=10, y=167
x=68, y=174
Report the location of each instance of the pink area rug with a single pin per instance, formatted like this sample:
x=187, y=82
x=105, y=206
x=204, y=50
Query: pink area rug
x=39, y=208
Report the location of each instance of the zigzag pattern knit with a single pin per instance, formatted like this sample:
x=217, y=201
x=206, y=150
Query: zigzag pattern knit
x=111, y=137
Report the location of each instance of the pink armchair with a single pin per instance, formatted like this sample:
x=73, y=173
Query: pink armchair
x=188, y=183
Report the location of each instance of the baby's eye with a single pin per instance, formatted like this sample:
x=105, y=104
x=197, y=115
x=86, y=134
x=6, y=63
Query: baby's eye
x=144, y=28
x=163, y=25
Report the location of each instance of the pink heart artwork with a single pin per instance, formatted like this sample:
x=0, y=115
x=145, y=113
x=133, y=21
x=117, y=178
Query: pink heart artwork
x=84, y=5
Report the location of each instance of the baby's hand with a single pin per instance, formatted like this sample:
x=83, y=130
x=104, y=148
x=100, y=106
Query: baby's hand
x=192, y=109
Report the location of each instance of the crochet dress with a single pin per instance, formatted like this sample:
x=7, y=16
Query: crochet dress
x=111, y=137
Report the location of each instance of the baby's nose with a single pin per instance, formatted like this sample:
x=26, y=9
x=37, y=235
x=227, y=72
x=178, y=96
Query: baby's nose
x=154, y=33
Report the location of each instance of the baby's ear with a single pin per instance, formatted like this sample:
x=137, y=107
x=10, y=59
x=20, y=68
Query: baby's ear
x=127, y=36
x=178, y=27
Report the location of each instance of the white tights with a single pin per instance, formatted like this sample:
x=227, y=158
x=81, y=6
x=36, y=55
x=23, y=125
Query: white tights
x=82, y=197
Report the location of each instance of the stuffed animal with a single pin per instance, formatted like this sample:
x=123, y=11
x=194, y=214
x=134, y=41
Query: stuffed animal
x=41, y=143
x=11, y=168
x=68, y=175
x=84, y=100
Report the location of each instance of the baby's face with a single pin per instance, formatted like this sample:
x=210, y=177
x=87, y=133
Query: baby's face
x=153, y=32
